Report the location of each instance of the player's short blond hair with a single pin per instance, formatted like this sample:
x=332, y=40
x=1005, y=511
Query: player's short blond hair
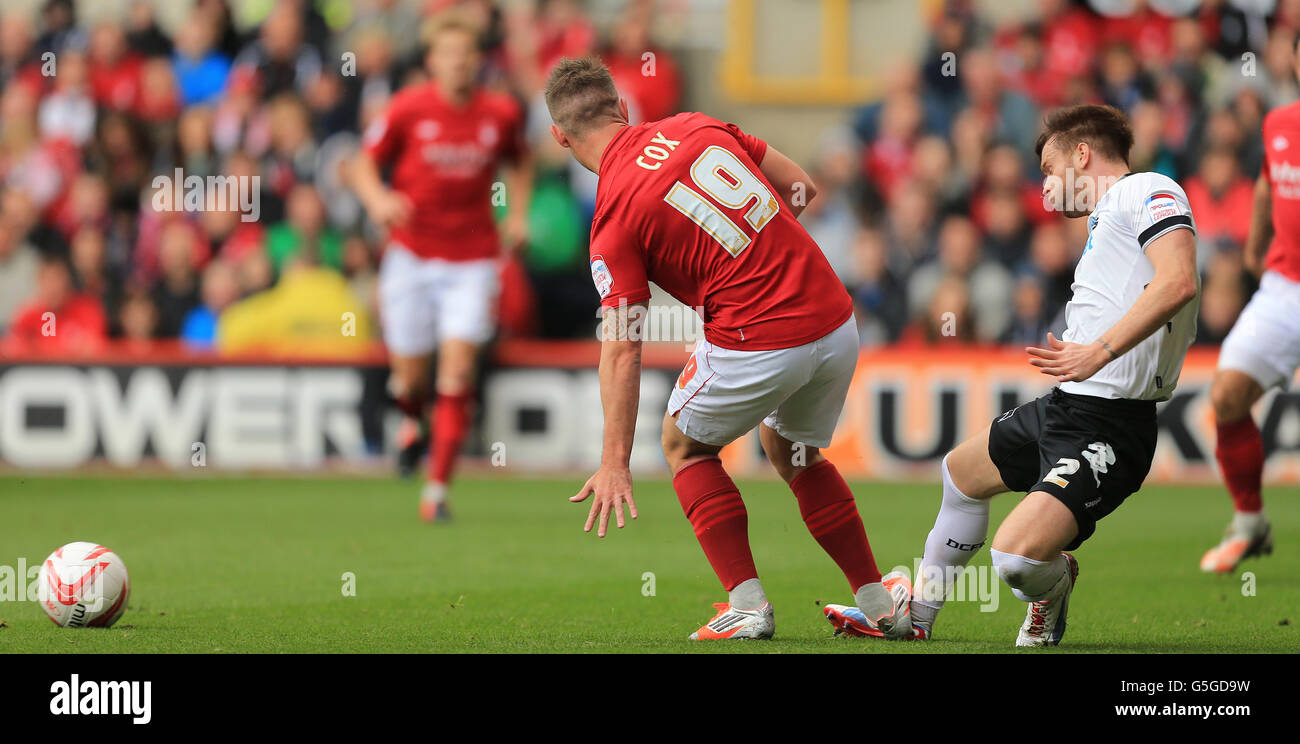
x=454, y=21
x=581, y=95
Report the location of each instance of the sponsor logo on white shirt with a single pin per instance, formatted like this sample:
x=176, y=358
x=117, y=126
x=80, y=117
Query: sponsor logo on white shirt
x=1161, y=205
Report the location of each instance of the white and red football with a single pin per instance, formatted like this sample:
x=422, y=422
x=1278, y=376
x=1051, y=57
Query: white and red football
x=84, y=585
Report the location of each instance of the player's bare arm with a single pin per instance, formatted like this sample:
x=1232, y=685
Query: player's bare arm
x=1261, y=228
x=385, y=206
x=519, y=190
x=1173, y=255
x=794, y=185
x=620, y=395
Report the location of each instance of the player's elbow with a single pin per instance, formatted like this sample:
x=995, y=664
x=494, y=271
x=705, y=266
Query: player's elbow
x=810, y=189
x=1185, y=290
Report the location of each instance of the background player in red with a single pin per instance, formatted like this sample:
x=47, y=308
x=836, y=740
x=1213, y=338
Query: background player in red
x=692, y=204
x=438, y=284
x=1263, y=348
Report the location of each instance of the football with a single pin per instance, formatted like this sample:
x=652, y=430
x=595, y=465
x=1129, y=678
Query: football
x=83, y=585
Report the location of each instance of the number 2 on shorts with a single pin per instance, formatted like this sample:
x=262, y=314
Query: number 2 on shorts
x=1064, y=466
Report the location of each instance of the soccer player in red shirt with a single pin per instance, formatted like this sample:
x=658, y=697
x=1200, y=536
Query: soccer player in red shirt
x=1263, y=348
x=439, y=277
x=708, y=213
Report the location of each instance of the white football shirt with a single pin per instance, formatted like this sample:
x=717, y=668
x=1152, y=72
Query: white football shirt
x=1111, y=274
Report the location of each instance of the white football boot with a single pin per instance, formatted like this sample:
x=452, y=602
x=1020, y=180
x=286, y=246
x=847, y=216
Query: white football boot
x=895, y=625
x=1247, y=536
x=732, y=623
x=1045, y=620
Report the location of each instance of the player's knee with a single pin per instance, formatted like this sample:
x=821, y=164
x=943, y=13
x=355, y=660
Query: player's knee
x=1011, y=567
x=1230, y=399
x=674, y=446
x=404, y=383
x=790, y=463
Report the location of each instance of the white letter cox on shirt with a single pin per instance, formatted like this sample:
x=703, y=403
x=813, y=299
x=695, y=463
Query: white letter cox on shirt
x=92, y=698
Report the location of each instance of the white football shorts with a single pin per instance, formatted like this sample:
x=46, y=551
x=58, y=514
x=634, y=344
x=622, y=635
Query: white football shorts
x=423, y=301
x=1265, y=341
x=799, y=392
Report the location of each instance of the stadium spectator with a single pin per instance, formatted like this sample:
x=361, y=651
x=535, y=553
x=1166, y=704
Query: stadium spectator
x=18, y=267
x=1221, y=197
x=19, y=59
x=960, y=257
x=68, y=112
x=200, y=68
x=220, y=288
x=59, y=30
x=115, y=70
x=304, y=232
x=1029, y=321
x=1223, y=295
x=947, y=136
x=310, y=312
x=143, y=33
x=138, y=319
x=176, y=291
x=57, y=318
x=644, y=73
x=945, y=320
x=279, y=60
x=879, y=296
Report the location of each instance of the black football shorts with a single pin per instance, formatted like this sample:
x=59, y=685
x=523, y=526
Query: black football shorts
x=1088, y=452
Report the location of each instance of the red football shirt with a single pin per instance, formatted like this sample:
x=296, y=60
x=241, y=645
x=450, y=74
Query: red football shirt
x=1282, y=169
x=445, y=158
x=682, y=203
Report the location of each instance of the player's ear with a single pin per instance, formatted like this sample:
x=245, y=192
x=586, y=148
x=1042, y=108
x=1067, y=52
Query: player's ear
x=1082, y=155
x=622, y=108
x=558, y=134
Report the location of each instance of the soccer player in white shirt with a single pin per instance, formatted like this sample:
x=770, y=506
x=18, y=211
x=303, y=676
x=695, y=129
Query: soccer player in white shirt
x=1083, y=448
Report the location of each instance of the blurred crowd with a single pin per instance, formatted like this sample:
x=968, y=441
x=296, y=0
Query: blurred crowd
x=929, y=210
x=931, y=207
x=93, y=112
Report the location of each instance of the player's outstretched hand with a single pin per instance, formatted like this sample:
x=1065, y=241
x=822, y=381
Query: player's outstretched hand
x=1068, y=361
x=514, y=234
x=390, y=208
x=611, y=487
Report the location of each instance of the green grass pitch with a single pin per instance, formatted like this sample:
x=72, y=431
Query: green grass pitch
x=253, y=565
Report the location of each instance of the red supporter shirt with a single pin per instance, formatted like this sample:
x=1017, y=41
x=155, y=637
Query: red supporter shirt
x=682, y=203
x=79, y=325
x=445, y=158
x=1282, y=169
x=1228, y=215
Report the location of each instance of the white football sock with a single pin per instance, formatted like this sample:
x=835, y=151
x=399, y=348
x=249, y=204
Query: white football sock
x=959, y=530
x=748, y=595
x=1250, y=524
x=874, y=600
x=434, y=492
x=1031, y=580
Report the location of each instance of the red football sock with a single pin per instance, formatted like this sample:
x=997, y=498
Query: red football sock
x=450, y=424
x=411, y=404
x=827, y=507
x=1240, y=452
x=714, y=507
